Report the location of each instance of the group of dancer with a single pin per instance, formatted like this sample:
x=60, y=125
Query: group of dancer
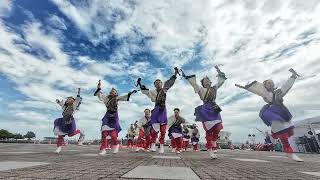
x=155, y=123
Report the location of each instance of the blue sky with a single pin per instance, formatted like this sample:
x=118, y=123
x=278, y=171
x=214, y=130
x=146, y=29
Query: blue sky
x=50, y=48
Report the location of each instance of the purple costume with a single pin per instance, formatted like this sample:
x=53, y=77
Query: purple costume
x=209, y=110
x=67, y=124
x=64, y=127
x=111, y=119
x=159, y=115
x=274, y=112
x=206, y=112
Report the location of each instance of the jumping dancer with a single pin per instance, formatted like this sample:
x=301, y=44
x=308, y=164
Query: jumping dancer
x=67, y=124
x=209, y=112
x=275, y=114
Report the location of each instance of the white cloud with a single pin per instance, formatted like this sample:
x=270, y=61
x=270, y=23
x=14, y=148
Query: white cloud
x=5, y=8
x=57, y=22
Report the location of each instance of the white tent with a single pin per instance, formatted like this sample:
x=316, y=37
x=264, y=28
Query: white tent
x=304, y=127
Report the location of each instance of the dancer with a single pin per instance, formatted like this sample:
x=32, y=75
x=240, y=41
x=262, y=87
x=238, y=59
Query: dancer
x=131, y=135
x=110, y=121
x=275, y=114
x=195, y=137
x=175, y=129
x=209, y=112
x=159, y=113
x=186, y=137
x=144, y=126
x=67, y=124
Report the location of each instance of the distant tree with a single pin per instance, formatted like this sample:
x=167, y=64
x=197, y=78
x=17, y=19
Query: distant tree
x=5, y=134
x=17, y=136
x=30, y=135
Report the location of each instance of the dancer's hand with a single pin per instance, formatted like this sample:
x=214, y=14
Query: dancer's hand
x=99, y=84
x=239, y=86
x=176, y=71
x=294, y=73
x=57, y=101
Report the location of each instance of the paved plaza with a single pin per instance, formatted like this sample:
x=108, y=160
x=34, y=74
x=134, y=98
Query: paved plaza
x=29, y=161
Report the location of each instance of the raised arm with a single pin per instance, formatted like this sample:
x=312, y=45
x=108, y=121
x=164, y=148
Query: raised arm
x=169, y=83
x=126, y=97
x=221, y=78
x=152, y=94
x=60, y=102
x=256, y=88
x=197, y=89
x=100, y=95
x=78, y=100
x=288, y=85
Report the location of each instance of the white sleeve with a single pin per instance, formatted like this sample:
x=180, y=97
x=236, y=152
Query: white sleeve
x=221, y=80
x=61, y=103
x=197, y=89
x=258, y=88
x=77, y=102
x=123, y=98
x=152, y=94
x=287, y=86
x=102, y=97
x=171, y=121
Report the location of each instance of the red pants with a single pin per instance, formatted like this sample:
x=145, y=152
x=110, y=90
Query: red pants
x=154, y=134
x=147, y=142
x=114, y=138
x=178, y=143
x=212, y=135
x=172, y=142
x=185, y=145
x=195, y=147
x=284, y=139
x=286, y=146
x=130, y=142
x=61, y=137
x=140, y=138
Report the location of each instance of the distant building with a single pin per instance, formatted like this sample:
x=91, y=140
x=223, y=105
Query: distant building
x=50, y=140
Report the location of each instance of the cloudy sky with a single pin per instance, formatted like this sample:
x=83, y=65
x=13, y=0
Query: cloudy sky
x=50, y=48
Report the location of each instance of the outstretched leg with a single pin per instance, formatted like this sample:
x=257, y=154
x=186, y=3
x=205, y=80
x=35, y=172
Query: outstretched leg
x=81, y=137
